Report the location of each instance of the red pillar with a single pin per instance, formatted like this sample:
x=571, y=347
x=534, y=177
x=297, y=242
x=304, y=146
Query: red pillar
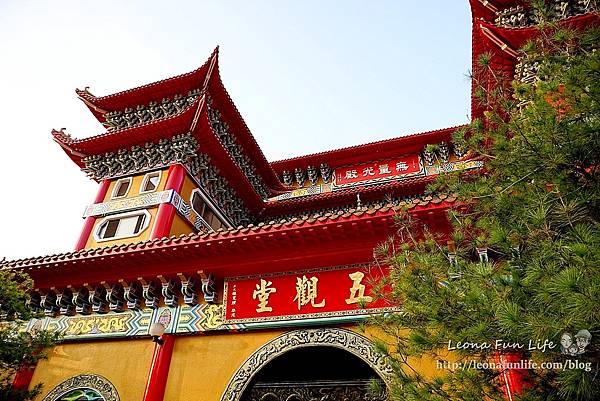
x=166, y=211
x=513, y=379
x=159, y=369
x=88, y=225
x=23, y=377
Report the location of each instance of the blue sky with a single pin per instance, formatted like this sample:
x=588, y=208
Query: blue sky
x=307, y=76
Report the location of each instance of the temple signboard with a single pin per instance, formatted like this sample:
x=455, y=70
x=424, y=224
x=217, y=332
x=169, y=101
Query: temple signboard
x=318, y=293
x=400, y=167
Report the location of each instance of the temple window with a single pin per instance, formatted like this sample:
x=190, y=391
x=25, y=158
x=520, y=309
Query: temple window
x=122, y=226
x=203, y=209
x=198, y=204
x=150, y=182
x=121, y=188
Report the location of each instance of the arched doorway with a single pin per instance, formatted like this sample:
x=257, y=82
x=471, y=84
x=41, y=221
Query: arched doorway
x=313, y=373
x=329, y=362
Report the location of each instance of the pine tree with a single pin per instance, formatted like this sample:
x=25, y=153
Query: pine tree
x=523, y=259
x=18, y=348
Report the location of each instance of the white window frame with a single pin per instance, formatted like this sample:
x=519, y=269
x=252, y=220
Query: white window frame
x=118, y=184
x=119, y=216
x=147, y=178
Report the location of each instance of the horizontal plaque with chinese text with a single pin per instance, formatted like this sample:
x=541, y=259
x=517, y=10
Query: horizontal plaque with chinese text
x=400, y=167
x=317, y=293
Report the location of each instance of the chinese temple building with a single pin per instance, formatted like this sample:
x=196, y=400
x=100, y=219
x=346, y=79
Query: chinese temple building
x=256, y=271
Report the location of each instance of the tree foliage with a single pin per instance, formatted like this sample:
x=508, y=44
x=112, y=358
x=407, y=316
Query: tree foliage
x=523, y=259
x=18, y=348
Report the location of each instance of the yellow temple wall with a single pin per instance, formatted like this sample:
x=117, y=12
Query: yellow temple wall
x=201, y=366
x=125, y=363
x=186, y=189
x=136, y=183
x=181, y=226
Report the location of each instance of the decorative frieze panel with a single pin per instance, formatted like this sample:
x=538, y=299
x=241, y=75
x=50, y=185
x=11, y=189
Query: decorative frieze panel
x=236, y=151
x=136, y=322
x=300, y=192
x=454, y=167
x=310, y=391
x=518, y=16
x=133, y=203
x=179, y=149
x=152, y=111
x=434, y=159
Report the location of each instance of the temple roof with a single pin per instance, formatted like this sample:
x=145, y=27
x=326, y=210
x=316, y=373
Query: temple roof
x=220, y=245
x=144, y=94
x=379, y=150
x=202, y=87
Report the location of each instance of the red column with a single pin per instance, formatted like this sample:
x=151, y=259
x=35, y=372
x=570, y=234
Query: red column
x=159, y=369
x=88, y=225
x=23, y=377
x=513, y=379
x=166, y=211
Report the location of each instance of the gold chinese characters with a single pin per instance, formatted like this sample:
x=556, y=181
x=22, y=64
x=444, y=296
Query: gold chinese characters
x=306, y=292
x=357, y=291
x=263, y=292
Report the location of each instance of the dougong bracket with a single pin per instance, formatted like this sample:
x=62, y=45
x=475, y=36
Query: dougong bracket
x=208, y=287
x=168, y=290
x=188, y=289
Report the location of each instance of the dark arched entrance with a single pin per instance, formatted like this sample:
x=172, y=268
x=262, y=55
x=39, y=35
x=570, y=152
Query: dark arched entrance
x=343, y=339
x=313, y=373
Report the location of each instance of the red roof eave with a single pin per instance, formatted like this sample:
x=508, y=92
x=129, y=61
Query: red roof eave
x=155, y=91
x=224, y=162
x=379, y=150
x=171, y=253
x=243, y=134
x=112, y=141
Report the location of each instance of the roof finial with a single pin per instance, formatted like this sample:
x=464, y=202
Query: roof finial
x=85, y=90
